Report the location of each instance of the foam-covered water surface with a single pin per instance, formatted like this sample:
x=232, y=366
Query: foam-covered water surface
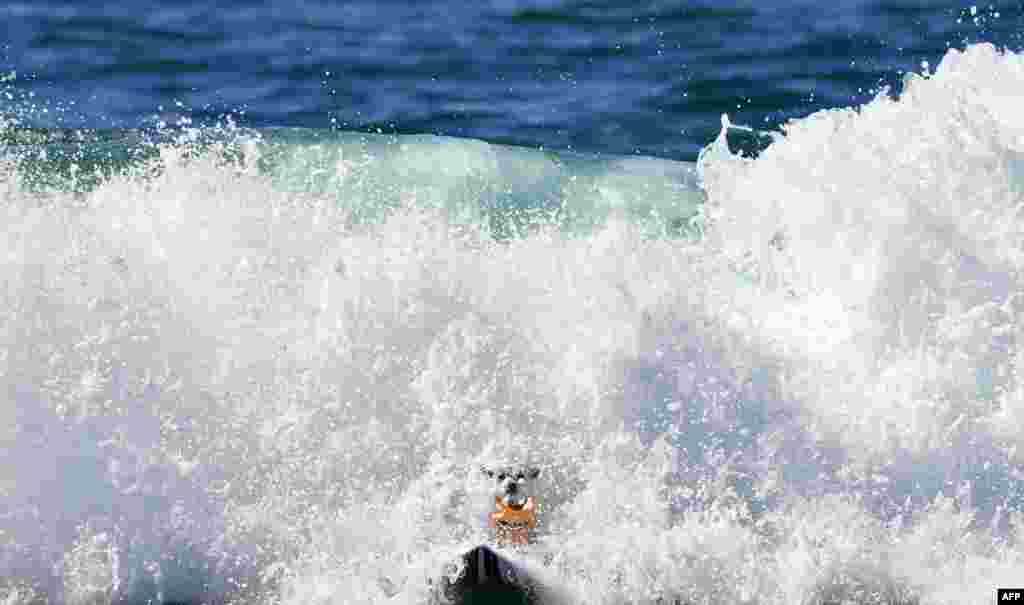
x=267, y=370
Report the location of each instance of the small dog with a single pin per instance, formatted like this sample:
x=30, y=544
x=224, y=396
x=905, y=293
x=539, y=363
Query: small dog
x=490, y=575
x=515, y=513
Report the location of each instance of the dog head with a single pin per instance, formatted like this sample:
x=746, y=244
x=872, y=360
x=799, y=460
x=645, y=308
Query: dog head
x=513, y=484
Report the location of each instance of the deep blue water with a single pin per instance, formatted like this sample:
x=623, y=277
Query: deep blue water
x=647, y=77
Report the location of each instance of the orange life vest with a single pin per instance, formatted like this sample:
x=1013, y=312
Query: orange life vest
x=513, y=525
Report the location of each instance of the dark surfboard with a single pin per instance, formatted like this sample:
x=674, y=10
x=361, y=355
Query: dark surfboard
x=488, y=577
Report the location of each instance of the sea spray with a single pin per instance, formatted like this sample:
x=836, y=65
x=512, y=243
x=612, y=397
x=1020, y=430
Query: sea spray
x=221, y=384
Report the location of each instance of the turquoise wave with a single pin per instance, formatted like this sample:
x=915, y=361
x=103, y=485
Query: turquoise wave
x=510, y=190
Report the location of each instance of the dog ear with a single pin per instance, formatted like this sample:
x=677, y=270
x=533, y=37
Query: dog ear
x=533, y=472
x=487, y=471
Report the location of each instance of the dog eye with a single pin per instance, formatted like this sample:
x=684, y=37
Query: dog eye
x=520, y=477
x=501, y=476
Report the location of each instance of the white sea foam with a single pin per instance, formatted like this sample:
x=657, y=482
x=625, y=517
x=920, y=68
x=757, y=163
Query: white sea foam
x=219, y=385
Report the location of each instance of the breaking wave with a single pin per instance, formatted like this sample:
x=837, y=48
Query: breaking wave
x=264, y=366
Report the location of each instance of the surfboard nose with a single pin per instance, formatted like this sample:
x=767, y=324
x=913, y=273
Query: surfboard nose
x=488, y=577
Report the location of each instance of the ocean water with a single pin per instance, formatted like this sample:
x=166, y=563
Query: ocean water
x=259, y=357
x=647, y=77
